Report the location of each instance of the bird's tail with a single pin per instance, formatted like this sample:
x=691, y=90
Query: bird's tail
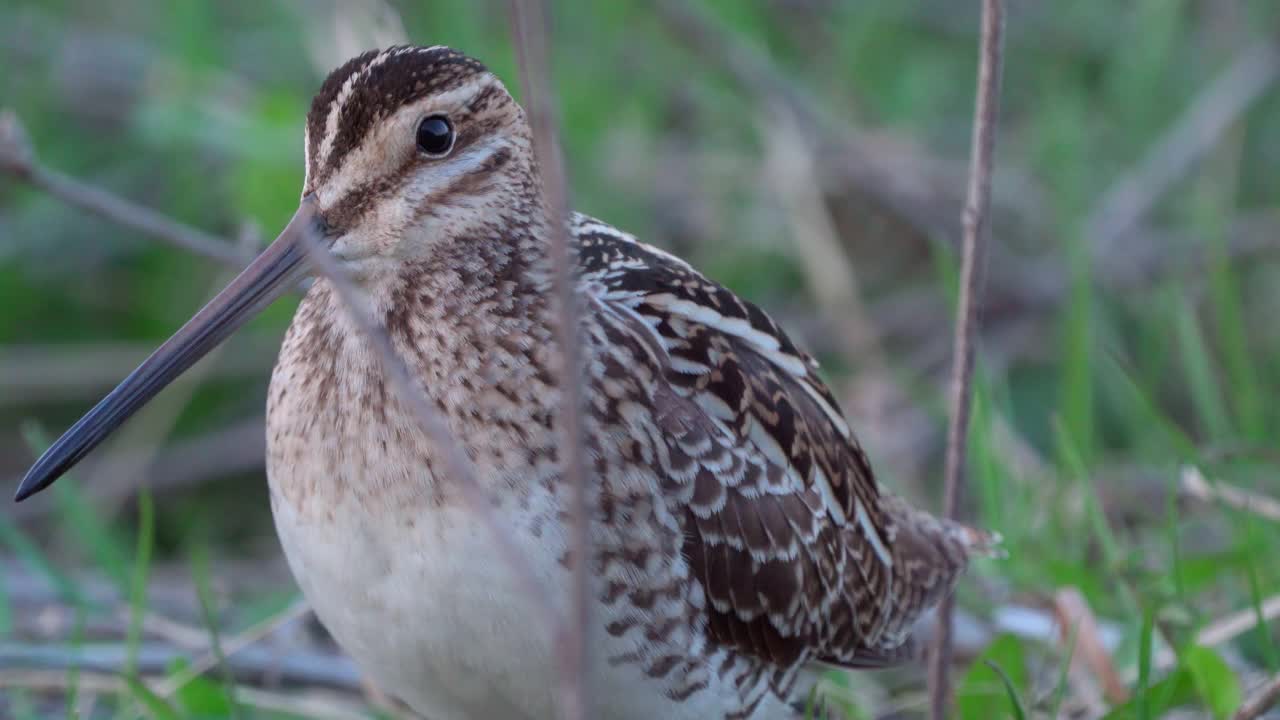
x=978, y=543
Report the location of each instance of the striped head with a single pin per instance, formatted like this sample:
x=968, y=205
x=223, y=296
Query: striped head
x=408, y=150
x=408, y=146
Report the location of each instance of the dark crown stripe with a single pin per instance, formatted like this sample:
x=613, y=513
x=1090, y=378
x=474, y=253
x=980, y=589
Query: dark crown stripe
x=324, y=99
x=383, y=82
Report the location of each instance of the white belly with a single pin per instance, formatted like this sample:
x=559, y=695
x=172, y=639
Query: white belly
x=427, y=607
x=431, y=614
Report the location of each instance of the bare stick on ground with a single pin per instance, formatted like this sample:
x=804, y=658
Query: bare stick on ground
x=530, y=32
x=975, y=222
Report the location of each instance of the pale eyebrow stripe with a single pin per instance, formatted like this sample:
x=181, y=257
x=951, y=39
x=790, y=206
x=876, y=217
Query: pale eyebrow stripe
x=339, y=101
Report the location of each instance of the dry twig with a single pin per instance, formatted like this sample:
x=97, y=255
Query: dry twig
x=1232, y=626
x=18, y=159
x=1190, y=138
x=231, y=646
x=1262, y=700
x=975, y=222
x=1074, y=616
x=1194, y=484
x=530, y=32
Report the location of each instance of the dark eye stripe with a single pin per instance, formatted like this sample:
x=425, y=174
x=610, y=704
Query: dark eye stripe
x=353, y=206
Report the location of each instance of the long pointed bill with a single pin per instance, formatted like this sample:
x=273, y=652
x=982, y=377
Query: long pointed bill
x=273, y=273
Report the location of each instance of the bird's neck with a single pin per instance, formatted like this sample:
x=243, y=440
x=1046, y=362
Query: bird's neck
x=499, y=274
x=475, y=331
x=477, y=307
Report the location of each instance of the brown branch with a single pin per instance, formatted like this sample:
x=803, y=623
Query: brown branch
x=975, y=222
x=1194, y=483
x=530, y=33
x=1191, y=137
x=1262, y=700
x=17, y=158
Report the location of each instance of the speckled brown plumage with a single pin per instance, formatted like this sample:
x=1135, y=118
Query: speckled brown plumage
x=739, y=534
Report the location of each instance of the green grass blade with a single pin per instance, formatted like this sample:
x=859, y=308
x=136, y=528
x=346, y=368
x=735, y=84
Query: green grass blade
x=154, y=705
x=1206, y=395
x=73, y=672
x=81, y=520
x=1075, y=464
x=1060, y=689
x=989, y=683
x=811, y=704
x=1270, y=652
x=1216, y=684
x=1172, y=522
x=1077, y=401
x=1147, y=413
x=1247, y=394
x=141, y=573
x=200, y=573
x=31, y=556
x=1015, y=702
x=6, y=610
x=1143, y=708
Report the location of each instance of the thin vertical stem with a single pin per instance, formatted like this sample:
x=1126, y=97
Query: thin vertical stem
x=529, y=27
x=975, y=227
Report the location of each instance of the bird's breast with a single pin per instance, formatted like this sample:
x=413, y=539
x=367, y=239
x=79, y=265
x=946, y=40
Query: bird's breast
x=386, y=548
x=337, y=427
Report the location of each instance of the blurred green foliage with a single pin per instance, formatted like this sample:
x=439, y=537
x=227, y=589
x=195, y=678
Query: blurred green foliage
x=195, y=108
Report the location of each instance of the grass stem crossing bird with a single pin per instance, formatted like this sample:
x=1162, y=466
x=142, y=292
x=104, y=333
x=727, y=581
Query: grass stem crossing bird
x=739, y=539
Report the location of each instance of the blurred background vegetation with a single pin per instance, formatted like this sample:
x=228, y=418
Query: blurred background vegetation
x=811, y=154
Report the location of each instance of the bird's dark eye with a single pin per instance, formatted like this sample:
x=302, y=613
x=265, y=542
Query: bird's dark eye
x=435, y=135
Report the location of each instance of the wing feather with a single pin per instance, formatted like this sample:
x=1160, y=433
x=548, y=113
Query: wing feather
x=800, y=555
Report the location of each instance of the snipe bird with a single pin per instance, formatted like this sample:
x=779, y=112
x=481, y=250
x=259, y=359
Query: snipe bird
x=740, y=541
